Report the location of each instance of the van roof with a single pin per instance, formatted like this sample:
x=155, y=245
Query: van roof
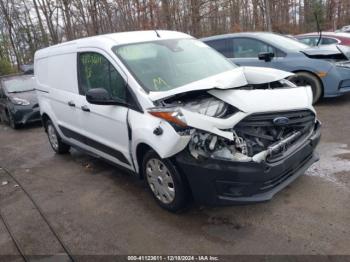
x=110, y=40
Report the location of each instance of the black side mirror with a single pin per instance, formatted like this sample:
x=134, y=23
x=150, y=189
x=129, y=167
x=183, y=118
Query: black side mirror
x=100, y=96
x=266, y=56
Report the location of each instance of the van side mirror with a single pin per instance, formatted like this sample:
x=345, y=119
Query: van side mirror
x=100, y=96
x=266, y=56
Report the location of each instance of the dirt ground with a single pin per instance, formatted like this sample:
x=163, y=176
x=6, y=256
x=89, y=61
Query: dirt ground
x=94, y=208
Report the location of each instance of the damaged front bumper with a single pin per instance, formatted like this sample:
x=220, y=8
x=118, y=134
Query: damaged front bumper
x=26, y=114
x=220, y=182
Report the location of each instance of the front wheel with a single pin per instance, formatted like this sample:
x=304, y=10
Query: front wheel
x=55, y=140
x=308, y=79
x=12, y=121
x=168, y=187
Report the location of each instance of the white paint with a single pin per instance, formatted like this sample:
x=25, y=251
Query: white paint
x=56, y=74
x=249, y=102
x=267, y=100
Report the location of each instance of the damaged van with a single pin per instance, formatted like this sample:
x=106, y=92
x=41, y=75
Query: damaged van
x=179, y=115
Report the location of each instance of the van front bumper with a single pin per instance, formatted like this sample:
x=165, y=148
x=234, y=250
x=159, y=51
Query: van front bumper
x=219, y=182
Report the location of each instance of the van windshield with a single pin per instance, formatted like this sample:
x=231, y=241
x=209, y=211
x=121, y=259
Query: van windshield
x=167, y=64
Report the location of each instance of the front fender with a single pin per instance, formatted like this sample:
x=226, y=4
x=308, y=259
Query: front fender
x=166, y=145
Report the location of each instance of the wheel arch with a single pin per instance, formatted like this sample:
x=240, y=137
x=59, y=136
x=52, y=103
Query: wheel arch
x=44, y=118
x=311, y=73
x=141, y=150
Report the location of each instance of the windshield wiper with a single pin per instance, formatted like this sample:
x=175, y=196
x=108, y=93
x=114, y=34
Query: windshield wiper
x=14, y=92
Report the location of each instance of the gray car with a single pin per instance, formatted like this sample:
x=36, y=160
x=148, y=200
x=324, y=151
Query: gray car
x=326, y=69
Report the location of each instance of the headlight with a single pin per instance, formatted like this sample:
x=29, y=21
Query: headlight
x=172, y=115
x=20, y=101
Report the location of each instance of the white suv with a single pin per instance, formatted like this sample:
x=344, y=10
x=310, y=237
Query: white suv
x=178, y=114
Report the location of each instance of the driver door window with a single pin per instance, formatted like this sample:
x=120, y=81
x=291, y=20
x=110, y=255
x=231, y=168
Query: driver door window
x=249, y=48
x=95, y=71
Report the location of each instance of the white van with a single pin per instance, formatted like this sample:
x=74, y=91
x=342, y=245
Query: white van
x=176, y=112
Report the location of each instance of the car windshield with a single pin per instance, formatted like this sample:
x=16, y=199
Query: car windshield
x=167, y=64
x=18, y=85
x=284, y=42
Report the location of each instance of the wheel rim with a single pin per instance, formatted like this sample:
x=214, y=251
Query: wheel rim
x=52, y=136
x=160, y=180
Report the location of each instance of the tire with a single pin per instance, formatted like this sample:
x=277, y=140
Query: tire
x=12, y=122
x=173, y=196
x=2, y=117
x=305, y=78
x=55, y=140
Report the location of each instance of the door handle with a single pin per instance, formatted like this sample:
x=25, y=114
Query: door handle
x=71, y=103
x=85, y=108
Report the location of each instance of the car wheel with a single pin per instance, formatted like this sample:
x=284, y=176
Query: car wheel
x=305, y=78
x=2, y=118
x=12, y=121
x=167, y=185
x=55, y=140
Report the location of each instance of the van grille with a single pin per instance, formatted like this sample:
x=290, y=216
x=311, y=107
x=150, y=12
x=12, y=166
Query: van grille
x=261, y=132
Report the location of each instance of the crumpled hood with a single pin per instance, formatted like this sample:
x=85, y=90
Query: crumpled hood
x=336, y=52
x=238, y=77
x=267, y=100
x=250, y=102
x=322, y=50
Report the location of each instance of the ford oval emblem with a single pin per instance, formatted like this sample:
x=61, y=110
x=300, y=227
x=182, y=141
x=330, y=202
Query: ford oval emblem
x=281, y=121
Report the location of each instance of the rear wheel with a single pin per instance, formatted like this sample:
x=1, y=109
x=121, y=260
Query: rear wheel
x=304, y=79
x=167, y=185
x=55, y=140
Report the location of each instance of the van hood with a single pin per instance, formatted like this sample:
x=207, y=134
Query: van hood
x=238, y=77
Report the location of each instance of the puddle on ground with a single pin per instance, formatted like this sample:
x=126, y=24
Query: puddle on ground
x=333, y=160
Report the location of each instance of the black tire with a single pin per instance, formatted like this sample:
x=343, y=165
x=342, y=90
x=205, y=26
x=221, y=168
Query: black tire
x=12, y=122
x=57, y=144
x=182, y=193
x=2, y=117
x=305, y=78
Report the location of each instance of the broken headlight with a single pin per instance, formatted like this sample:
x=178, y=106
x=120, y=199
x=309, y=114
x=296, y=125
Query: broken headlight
x=172, y=115
x=205, y=105
x=207, y=145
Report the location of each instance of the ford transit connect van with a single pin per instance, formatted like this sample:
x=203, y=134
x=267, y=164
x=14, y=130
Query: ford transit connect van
x=178, y=114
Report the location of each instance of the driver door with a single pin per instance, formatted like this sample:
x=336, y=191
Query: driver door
x=245, y=52
x=104, y=127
